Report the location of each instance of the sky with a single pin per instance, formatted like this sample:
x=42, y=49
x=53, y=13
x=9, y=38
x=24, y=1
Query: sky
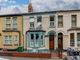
x=20, y=6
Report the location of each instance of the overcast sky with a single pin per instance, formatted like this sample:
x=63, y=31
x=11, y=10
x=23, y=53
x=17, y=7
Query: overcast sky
x=20, y=6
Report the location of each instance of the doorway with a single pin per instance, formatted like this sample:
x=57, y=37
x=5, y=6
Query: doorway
x=51, y=42
x=60, y=40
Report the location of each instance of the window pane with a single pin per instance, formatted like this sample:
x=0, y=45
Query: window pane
x=8, y=22
x=52, y=24
x=72, y=42
x=14, y=22
x=51, y=18
x=8, y=25
x=37, y=36
x=39, y=25
x=52, y=21
x=32, y=36
x=31, y=24
x=31, y=19
x=16, y=39
x=14, y=17
x=5, y=39
x=39, y=18
x=14, y=25
x=10, y=39
x=41, y=36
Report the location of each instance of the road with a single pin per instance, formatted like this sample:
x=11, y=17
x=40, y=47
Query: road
x=20, y=58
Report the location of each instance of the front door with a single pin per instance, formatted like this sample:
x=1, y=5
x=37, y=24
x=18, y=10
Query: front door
x=60, y=41
x=51, y=41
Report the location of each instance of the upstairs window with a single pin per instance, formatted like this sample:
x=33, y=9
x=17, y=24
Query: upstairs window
x=8, y=23
x=51, y=21
x=74, y=20
x=39, y=18
x=39, y=21
x=60, y=21
x=14, y=22
x=31, y=22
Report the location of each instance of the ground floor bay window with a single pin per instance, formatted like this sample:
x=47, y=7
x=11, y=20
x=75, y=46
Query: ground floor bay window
x=35, y=40
x=75, y=39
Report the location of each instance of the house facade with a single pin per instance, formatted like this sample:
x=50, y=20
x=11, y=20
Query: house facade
x=40, y=31
x=45, y=31
x=10, y=31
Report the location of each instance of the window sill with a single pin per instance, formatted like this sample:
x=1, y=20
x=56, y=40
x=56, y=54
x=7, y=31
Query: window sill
x=51, y=27
x=7, y=44
x=15, y=44
x=60, y=27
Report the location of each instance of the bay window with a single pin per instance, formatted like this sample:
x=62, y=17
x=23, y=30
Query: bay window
x=35, y=39
x=72, y=41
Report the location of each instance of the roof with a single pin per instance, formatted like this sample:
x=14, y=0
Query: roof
x=35, y=31
x=35, y=13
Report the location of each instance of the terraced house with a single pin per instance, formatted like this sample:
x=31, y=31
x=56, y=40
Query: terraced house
x=40, y=31
x=46, y=31
x=10, y=31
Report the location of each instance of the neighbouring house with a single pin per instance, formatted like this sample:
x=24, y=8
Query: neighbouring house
x=10, y=31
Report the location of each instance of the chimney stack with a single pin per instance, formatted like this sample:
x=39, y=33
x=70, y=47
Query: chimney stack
x=30, y=8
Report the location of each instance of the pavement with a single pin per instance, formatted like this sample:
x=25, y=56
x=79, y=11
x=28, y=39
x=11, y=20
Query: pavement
x=21, y=58
x=54, y=57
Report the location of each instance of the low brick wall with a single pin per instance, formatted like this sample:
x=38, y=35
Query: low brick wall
x=31, y=55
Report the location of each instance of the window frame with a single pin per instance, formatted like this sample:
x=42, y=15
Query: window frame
x=60, y=21
x=14, y=22
x=72, y=39
x=52, y=21
x=8, y=22
x=31, y=22
x=73, y=20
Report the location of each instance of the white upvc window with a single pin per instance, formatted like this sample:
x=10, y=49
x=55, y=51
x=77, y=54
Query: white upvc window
x=7, y=39
x=10, y=39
